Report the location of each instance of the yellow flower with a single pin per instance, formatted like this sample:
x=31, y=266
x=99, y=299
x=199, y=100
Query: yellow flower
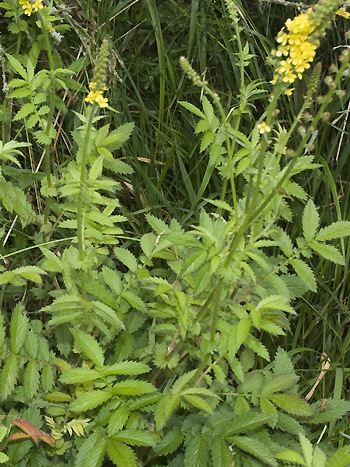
x=263, y=127
x=31, y=5
x=342, y=12
x=95, y=96
x=295, y=47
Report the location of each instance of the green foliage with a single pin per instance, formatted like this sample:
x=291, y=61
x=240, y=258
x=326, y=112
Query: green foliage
x=135, y=332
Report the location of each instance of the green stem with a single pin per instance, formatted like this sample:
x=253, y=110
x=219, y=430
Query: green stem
x=81, y=208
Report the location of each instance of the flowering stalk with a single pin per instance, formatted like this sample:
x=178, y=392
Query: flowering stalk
x=81, y=207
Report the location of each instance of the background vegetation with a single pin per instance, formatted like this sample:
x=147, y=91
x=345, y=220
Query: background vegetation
x=82, y=320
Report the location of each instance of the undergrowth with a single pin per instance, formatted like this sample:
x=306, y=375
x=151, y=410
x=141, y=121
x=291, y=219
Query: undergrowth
x=170, y=329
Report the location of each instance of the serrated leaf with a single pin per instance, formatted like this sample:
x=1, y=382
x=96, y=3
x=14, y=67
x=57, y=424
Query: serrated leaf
x=117, y=137
x=336, y=230
x=157, y=225
x=112, y=279
x=88, y=346
x=290, y=456
x=192, y=108
x=132, y=387
x=108, y=314
x=120, y=454
x=284, y=241
x=8, y=376
x=4, y=458
x=311, y=221
x=198, y=402
x=136, y=437
x=90, y=400
x=279, y=384
x=80, y=376
x=305, y=273
x=341, y=458
x=329, y=252
x=17, y=66
x=128, y=368
x=319, y=458
x=165, y=408
x=256, y=448
x=127, y=258
x=291, y=404
x=24, y=111
x=181, y=382
x=118, y=419
x=47, y=378
x=170, y=442
x=31, y=379
x=96, y=169
x=221, y=454
x=19, y=328
x=147, y=243
x=3, y=431
x=196, y=451
x=329, y=411
x=306, y=448
x=2, y=334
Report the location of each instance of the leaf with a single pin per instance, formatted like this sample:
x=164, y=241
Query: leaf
x=336, y=230
x=132, y=387
x=284, y=241
x=341, y=458
x=118, y=419
x=31, y=379
x=108, y=314
x=2, y=333
x=136, y=437
x=319, y=458
x=198, y=402
x=329, y=252
x=192, y=108
x=90, y=400
x=147, y=243
x=87, y=345
x=117, y=137
x=47, y=378
x=256, y=448
x=126, y=257
x=165, y=408
x=24, y=111
x=96, y=169
x=8, y=376
x=170, y=442
x=126, y=368
x=329, y=411
x=19, y=328
x=311, y=221
x=196, y=451
x=279, y=383
x=120, y=454
x=181, y=382
x=220, y=453
x=4, y=458
x=307, y=449
x=157, y=225
x=80, y=376
x=16, y=65
x=305, y=273
x=290, y=456
x=112, y=279
x=291, y=404
x=32, y=432
x=3, y=431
